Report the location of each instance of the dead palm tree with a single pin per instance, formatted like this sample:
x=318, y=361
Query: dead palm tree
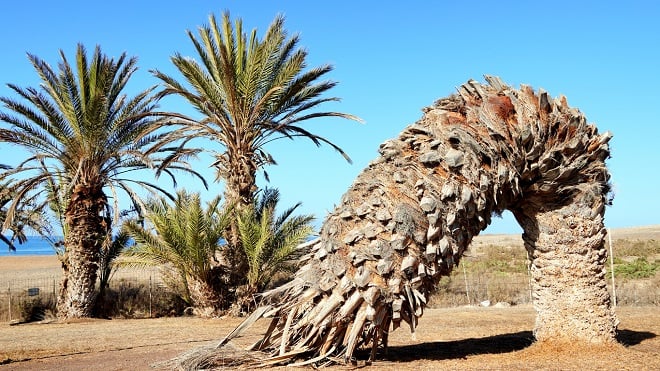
x=409, y=217
x=183, y=238
x=84, y=134
x=250, y=92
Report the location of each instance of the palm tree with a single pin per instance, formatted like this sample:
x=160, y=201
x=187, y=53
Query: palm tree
x=250, y=92
x=110, y=251
x=270, y=241
x=84, y=134
x=29, y=215
x=183, y=238
x=410, y=216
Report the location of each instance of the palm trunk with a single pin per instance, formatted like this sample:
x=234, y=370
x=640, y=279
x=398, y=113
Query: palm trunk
x=239, y=191
x=87, y=229
x=566, y=248
x=206, y=301
x=410, y=215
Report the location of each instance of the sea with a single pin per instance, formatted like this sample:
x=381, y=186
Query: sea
x=35, y=245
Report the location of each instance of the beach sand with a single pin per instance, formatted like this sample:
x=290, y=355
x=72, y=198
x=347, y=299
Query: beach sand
x=30, y=267
x=45, y=272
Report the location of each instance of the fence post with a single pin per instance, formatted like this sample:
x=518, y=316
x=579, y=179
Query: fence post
x=609, y=235
x=149, y=296
x=467, y=291
x=9, y=293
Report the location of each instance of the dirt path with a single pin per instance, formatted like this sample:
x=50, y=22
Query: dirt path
x=138, y=358
x=453, y=338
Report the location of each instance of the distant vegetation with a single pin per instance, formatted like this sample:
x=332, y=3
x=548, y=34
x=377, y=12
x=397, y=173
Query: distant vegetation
x=498, y=273
x=638, y=268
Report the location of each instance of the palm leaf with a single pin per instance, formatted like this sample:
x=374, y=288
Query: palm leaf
x=271, y=241
x=249, y=91
x=180, y=234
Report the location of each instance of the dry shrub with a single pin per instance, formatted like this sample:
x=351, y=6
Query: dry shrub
x=499, y=274
x=636, y=248
x=492, y=273
x=452, y=291
x=448, y=294
x=497, y=258
x=513, y=290
x=37, y=308
x=25, y=308
x=638, y=291
x=134, y=299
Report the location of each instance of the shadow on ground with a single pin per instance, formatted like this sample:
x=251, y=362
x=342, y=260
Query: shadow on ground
x=503, y=343
x=440, y=350
x=629, y=337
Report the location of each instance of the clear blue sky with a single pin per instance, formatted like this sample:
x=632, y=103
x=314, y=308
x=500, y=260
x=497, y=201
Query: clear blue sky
x=392, y=58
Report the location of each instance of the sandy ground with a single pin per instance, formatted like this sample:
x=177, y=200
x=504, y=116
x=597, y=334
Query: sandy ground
x=649, y=232
x=20, y=272
x=21, y=267
x=469, y=338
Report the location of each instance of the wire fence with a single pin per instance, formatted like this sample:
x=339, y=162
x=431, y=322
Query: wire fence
x=129, y=294
x=143, y=294
x=515, y=289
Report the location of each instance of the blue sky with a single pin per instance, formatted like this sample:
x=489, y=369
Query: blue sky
x=391, y=59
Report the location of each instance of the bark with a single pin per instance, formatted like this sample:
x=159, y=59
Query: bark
x=240, y=186
x=411, y=214
x=566, y=248
x=207, y=302
x=87, y=228
x=240, y=177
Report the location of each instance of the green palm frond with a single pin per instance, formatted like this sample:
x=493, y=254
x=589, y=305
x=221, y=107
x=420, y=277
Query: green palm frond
x=250, y=91
x=181, y=234
x=29, y=215
x=271, y=241
x=110, y=252
x=79, y=125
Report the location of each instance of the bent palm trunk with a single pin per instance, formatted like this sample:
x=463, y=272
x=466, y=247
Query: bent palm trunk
x=410, y=215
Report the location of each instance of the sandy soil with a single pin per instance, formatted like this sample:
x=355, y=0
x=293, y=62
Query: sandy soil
x=649, y=232
x=453, y=338
x=22, y=271
x=469, y=338
x=33, y=267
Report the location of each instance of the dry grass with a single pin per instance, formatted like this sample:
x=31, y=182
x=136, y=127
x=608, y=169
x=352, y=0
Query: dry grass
x=450, y=338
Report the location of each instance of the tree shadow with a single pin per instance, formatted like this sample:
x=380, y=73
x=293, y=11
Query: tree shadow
x=503, y=343
x=630, y=337
x=441, y=350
